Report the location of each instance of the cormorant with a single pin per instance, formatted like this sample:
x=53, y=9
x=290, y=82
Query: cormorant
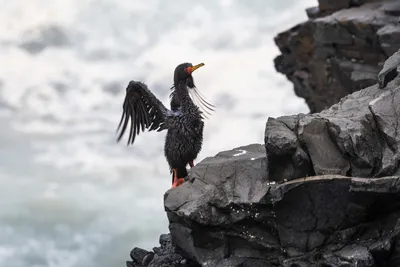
x=183, y=122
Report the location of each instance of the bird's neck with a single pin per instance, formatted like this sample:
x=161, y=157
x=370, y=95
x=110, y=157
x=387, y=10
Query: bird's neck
x=182, y=93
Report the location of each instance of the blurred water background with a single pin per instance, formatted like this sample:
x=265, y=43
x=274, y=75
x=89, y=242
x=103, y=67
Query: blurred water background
x=69, y=195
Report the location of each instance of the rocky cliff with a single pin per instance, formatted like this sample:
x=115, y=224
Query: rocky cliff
x=323, y=190
x=339, y=50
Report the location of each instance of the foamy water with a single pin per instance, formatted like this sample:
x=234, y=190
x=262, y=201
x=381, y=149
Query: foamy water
x=69, y=195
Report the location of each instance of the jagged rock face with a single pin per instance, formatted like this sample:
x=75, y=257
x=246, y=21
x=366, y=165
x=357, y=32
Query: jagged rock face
x=332, y=220
x=357, y=137
x=322, y=191
x=336, y=53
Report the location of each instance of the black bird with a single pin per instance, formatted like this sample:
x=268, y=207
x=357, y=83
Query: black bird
x=183, y=122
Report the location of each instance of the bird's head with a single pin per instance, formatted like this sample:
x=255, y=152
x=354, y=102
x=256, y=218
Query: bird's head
x=183, y=73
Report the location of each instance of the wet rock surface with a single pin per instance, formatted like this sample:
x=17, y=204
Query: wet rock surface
x=328, y=220
x=339, y=50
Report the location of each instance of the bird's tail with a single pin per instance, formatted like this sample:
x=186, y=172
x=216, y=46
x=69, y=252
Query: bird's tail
x=182, y=173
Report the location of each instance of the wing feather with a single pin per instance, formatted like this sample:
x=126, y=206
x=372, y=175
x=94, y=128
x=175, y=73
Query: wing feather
x=144, y=111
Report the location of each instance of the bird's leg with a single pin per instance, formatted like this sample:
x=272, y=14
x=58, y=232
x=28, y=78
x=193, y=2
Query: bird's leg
x=177, y=181
x=191, y=164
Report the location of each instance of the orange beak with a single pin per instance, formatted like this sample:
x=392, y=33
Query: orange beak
x=191, y=69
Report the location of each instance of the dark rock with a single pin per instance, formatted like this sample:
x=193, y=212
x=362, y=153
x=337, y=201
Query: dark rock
x=329, y=147
x=317, y=220
x=354, y=75
x=165, y=239
x=137, y=255
x=333, y=4
x=286, y=158
x=147, y=259
x=389, y=38
x=392, y=8
x=389, y=70
x=339, y=50
x=164, y=256
x=313, y=12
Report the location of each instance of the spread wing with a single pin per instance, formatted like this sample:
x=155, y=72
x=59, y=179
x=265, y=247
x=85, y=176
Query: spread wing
x=144, y=111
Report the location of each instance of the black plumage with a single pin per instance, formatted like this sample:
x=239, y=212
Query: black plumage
x=183, y=122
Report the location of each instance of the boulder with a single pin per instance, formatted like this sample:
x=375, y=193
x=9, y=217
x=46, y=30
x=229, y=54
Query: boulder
x=327, y=220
